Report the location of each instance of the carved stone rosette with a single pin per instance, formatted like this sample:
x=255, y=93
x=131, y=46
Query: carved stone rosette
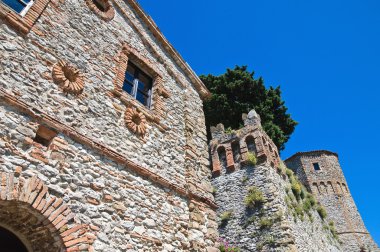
x=102, y=8
x=135, y=121
x=68, y=78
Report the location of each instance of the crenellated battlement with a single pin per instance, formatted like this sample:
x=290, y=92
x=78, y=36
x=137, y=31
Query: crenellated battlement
x=229, y=150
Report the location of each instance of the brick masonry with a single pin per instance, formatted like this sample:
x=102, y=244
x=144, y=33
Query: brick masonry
x=31, y=205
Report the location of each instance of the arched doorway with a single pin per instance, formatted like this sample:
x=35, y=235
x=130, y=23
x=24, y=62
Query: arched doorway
x=9, y=242
x=36, y=221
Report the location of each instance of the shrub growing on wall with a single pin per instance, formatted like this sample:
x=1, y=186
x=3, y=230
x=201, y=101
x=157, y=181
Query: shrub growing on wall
x=254, y=197
x=251, y=158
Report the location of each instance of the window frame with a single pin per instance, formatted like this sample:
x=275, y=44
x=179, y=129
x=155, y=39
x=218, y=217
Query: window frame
x=314, y=164
x=25, y=9
x=129, y=54
x=135, y=84
x=157, y=111
x=25, y=20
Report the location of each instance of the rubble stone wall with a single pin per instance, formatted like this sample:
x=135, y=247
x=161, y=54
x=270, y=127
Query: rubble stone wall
x=329, y=186
x=136, y=192
x=272, y=225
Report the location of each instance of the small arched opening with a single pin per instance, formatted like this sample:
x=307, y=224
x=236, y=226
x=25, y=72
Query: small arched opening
x=41, y=222
x=236, y=151
x=222, y=157
x=338, y=188
x=316, y=188
x=323, y=188
x=11, y=242
x=330, y=187
x=251, y=146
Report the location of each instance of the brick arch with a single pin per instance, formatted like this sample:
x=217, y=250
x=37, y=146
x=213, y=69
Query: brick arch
x=44, y=222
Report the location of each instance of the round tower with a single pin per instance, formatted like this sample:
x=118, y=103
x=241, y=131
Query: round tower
x=321, y=172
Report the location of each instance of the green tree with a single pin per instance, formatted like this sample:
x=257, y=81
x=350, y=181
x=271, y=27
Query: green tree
x=236, y=92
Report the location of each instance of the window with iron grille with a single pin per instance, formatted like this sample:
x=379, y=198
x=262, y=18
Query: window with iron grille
x=138, y=84
x=20, y=6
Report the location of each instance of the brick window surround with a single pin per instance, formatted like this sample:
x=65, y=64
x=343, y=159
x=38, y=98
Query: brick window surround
x=102, y=8
x=24, y=23
x=159, y=93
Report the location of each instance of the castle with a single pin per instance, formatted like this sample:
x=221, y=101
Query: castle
x=103, y=144
x=289, y=219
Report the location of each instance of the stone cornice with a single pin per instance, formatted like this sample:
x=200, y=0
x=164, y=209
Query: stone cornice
x=310, y=153
x=198, y=84
x=41, y=117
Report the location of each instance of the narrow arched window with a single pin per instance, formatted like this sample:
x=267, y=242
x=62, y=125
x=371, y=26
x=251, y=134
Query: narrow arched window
x=222, y=157
x=236, y=151
x=251, y=146
x=10, y=242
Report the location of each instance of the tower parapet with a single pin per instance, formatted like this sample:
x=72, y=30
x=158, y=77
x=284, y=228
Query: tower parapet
x=229, y=150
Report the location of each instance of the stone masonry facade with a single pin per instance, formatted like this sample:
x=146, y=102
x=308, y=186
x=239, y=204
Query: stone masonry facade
x=84, y=166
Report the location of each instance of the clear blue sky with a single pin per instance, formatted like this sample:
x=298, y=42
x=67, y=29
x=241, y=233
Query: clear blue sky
x=325, y=55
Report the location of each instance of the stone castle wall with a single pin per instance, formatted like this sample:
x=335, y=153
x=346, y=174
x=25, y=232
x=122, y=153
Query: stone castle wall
x=329, y=186
x=84, y=166
x=132, y=189
x=273, y=226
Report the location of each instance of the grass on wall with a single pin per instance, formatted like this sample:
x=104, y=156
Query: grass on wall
x=254, y=197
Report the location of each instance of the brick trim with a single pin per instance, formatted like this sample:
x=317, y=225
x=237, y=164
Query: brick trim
x=68, y=77
x=56, y=216
x=265, y=150
x=107, y=15
x=135, y=121
x=25, y=23
x=41, y=117
x=200, y=87
x=159, y=93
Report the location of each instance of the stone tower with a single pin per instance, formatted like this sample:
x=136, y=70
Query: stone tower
x=234, y=174
x=320, y=171
x=103, y=141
